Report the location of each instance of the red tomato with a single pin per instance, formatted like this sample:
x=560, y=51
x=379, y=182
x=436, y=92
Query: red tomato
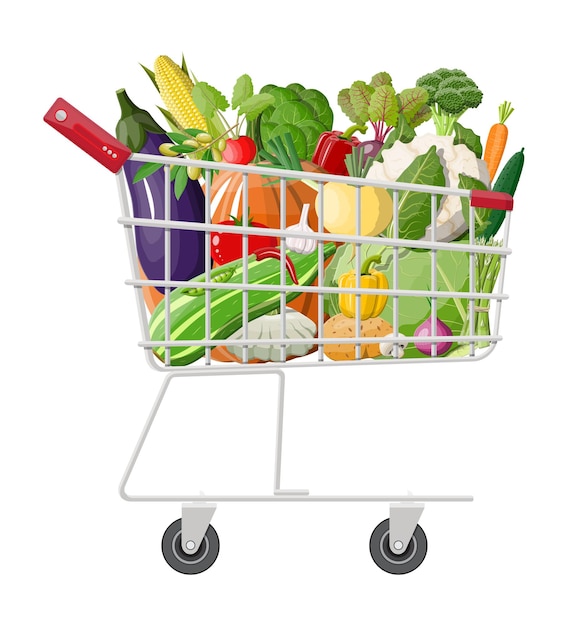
x=226, y=247
x=241, y=150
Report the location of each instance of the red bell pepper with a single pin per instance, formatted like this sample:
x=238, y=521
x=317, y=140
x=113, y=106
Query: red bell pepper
x=333, y=147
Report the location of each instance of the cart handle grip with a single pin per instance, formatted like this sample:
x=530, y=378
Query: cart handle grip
x=491, y=200
x=87, y=135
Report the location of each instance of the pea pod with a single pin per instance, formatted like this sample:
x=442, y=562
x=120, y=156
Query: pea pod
x=188, y=312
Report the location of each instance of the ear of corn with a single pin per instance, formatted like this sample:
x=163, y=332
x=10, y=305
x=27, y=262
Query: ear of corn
x=175, y=88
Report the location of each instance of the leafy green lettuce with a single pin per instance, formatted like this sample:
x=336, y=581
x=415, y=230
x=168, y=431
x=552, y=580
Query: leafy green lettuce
x=414, y=207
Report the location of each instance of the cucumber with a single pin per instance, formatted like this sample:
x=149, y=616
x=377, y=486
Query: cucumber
x=506, y=182
x=188, y=310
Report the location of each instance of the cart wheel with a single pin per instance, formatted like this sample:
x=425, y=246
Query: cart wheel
x=185, y=563
x=393, y=563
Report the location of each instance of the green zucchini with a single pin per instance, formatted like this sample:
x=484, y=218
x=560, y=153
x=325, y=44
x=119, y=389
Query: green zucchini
x=506, y=182
x=188, y=311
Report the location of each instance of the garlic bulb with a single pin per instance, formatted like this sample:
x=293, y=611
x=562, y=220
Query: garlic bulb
x=301, y=245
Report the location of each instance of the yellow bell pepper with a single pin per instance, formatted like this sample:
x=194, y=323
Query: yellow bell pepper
x=370, y=305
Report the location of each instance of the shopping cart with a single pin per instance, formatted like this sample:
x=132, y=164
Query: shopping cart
x=190, y=544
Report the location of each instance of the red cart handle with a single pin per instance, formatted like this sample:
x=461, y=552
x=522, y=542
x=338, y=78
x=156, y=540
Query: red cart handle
x=492, y=200
x=87, y=135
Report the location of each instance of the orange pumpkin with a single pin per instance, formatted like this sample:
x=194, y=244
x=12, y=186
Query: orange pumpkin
x=264, y=207
x=263, y=197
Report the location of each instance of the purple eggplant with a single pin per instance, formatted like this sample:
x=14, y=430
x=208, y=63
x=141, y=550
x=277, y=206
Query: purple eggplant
x=138, y=130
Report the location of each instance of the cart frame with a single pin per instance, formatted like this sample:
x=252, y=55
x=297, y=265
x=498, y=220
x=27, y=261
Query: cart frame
x=391, y=542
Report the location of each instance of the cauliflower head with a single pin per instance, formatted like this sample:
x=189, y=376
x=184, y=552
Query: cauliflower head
x=455, y=158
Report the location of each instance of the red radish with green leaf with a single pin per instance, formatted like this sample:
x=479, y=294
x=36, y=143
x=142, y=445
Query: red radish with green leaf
x=240, y=150
x=248, y=106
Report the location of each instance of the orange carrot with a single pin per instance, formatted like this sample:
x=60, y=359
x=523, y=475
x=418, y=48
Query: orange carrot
x=496, y=141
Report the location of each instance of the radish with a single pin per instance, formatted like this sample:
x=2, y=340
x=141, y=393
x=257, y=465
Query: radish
x=425, y=329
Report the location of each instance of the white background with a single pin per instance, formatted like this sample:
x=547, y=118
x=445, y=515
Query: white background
x=76, y=389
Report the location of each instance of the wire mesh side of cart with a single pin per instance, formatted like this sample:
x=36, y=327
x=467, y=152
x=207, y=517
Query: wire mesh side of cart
x=472, y=343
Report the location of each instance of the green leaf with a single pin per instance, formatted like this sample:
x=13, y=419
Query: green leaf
x=291, y=112
x=266, y=114
x=151, y=74
x=170, y=119
x=403, y=132
x=360, y=94
x=181, y=178
x=145, y=170
x=243, y=89
x=312, y=129
x=423, y=115
x=208, y=99
x=411, y=102
x=481, y=215
x=297, y=87
x=192, y=132
x=470, y=139
x=253, y=106
x=182, y=149
x=177, y=137
x=383, y=105
x=267, y=132
x=319, y=103
x=414, y=207
x=382, y=78
x=347, y=106
x=281, y=94
x=184, y=64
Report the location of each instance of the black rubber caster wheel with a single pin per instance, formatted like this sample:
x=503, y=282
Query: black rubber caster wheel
x=393, y=563
x=185, y=563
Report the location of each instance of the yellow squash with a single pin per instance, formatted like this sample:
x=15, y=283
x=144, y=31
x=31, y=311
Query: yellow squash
x=339, y=209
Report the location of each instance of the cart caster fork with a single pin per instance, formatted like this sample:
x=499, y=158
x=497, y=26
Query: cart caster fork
x=398, y=545
x=190, y=545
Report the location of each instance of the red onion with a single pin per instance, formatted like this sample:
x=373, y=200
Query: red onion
x=425, y=330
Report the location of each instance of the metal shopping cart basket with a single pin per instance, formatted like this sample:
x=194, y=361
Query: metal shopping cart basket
x=222, y=305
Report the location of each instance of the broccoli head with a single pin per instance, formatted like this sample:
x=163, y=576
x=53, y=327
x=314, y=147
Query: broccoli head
x=450, y=94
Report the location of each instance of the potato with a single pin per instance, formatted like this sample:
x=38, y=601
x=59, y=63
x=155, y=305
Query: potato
x=340, y=326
